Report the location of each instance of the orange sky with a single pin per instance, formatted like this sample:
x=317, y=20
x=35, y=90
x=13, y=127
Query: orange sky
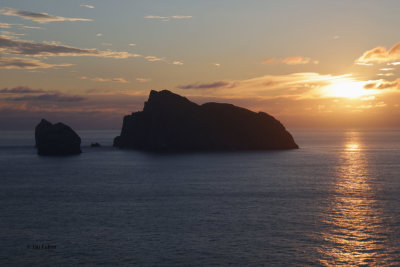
x=309, y=64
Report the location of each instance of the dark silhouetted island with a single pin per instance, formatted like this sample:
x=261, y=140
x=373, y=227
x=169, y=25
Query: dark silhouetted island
x=56, y=139
x=170, y=122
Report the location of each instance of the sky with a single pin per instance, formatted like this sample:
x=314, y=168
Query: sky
x=311, y=63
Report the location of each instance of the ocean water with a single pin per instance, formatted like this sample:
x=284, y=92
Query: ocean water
x=335, y=201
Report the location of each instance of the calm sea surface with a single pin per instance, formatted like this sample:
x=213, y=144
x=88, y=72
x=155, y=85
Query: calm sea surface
x=335, y=201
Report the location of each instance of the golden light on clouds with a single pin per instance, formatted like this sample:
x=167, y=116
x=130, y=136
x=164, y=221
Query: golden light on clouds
x=381, y=54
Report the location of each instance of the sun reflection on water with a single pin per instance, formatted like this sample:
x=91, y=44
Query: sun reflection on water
x=355, y=233
x=352, y=147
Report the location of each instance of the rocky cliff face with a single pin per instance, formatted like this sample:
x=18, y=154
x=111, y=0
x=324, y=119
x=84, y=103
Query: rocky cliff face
x=170, y=122
x=56, y=139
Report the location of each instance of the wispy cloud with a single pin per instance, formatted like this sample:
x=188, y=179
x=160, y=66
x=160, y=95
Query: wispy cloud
x=21, y=90
x=98, y=79
x=87, y=6
x=297, y=60
x=132, y=44
x=153, y=58
x=213, y=85
x=8, y=25
x=36, y=17
x=155, y=17
x=383, y=84
x=26, y=63
x=163, y=18
x=10, y=45
x=180, y=63
x=27, y=94
x=47, y=98
x=388, y=74
x=143, y=80
x=11, y=33
x=364, y=64
x=380, y=54
x=181, y=17
x=30, y=27
x=5, y=25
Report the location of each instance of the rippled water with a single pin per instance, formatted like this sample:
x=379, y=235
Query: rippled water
x=333, y=202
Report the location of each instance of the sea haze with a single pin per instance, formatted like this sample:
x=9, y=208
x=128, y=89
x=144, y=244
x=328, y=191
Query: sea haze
x=334, y=201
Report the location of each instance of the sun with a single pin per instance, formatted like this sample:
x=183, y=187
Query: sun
x=347, y=88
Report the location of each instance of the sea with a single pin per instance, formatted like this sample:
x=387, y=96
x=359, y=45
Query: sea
x=334, y=201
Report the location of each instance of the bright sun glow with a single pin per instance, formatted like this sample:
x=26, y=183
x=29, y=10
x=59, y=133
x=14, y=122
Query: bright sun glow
x=347, y=88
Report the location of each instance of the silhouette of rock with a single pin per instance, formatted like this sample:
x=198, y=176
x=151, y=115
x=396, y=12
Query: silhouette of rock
x=170, y=122
x=56, y=139
x=95, y=145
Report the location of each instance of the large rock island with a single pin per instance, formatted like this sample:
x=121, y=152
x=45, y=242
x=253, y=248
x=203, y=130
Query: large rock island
x=170, y=122
x=56, y=139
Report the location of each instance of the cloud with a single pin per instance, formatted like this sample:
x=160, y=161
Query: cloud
x=213, y=85
x=99, y=34
x=8, y=25
x=5, y=25
x=143, y=80
x=217, y=65
x=296, y=60
x=10, y=45
x=380, y=54
x=289, y=61
x=20, y=90
x=181, y=17
x=11, y=33
x=132, y=44
x=386, y=74
x=383, y=84
x=155, y=17
x=180, y=63
x=163, y=18
x=364, y=64
x=31, y=27
x=26, y=63
x=36, y=17
x=153, y=58
x=97, y=79
x=56, y=97
x=87, y=6
x=271, y=61
x=24, y=93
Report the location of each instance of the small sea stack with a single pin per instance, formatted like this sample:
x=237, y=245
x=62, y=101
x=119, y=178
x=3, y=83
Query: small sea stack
x=95, y=144
x=56, y=139
x=170, y=122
